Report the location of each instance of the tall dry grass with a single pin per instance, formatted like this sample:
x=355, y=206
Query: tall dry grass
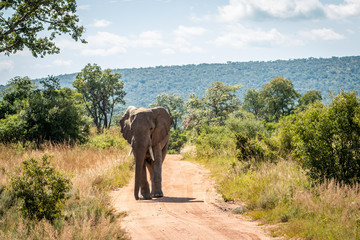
x=93, y=171
x=282, y=193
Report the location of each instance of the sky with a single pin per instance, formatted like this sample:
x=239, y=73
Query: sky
x=148, y=33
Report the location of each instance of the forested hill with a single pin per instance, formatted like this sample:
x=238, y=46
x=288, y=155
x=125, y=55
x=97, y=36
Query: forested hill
x=142, y=85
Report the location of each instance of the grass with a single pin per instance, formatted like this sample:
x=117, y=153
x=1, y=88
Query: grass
x=94, y=170
x=280, y=193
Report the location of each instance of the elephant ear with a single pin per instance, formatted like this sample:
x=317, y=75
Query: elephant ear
x=163, y=122
x=125, y=123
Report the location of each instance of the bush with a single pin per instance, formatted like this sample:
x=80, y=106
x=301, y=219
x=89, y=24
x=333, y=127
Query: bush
x=327, y=139
x=40, y=189
x=246, y=123
x=254, y=149
x=214, y=140
x=108, y=139
x=177, y=140
x=248, y=149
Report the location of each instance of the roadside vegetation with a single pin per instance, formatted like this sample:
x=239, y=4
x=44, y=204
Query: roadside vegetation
x=290, y=159
x=57, y=164
x=93, y=169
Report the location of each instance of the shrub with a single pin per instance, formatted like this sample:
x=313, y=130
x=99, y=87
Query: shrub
x=248, y=149
x=214, y=140
x=108, y=139
x=246, y=123
x=40, y=189
x=327, y=139
x=177, y=140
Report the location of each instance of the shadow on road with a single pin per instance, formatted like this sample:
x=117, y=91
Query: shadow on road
x=176, y=200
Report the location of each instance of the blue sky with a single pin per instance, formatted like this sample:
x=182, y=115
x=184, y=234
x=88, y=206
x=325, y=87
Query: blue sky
x=144, y=33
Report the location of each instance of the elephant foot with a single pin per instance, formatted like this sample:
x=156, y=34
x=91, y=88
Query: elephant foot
x=157, y=194
x=145, y=197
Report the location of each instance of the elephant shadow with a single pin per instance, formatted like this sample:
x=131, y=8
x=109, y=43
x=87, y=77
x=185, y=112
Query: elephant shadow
x=177, y=200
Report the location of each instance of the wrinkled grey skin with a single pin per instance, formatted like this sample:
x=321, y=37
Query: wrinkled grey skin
x=144, y=128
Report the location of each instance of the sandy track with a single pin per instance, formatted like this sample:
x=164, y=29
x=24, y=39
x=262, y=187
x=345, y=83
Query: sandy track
x=187, y=211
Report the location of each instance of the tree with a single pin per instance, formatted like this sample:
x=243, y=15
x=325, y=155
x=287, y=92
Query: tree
x=279, y=97
x=253, y=102
x=101, y=91
x=221, y=100
x=327, y=139
x=173, y=104
x=23, y=22
x=195, y=113
x=38, y=115
x=16, y=96
x=308, y=98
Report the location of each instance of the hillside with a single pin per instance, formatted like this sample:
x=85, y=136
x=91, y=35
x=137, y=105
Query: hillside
x=144, y=84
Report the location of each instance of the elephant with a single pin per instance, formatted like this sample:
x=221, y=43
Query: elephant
x=148, y=132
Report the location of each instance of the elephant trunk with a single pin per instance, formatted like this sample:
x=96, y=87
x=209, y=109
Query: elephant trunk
x=150, y=150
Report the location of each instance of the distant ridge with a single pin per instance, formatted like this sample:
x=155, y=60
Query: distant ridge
x=142, y=85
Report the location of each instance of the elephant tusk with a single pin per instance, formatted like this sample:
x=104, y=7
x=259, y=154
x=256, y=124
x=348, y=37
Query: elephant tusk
x=131, y=149
x=151, y=153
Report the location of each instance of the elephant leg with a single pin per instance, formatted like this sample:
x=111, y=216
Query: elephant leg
x=164, y=151
x=156, y=188
x=144, y=185
x=149, y=168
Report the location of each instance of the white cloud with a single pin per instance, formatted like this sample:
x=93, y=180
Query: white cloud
x=265, y=9
x=84, y=7
x=182, y=39
x=238, y=36
x=186, y=32
x=168, y=51
x=322, y=34
x=60, y=62
x=6, y=66
x=101, y=23
x=105, y=44
x=286, y=9
x=149, y=39
x=350, y=8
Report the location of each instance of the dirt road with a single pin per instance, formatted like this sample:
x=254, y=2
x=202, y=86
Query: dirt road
x=188, y=210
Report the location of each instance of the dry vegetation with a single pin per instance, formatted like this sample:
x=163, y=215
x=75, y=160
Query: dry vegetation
x=93, y=170
x=282, y=193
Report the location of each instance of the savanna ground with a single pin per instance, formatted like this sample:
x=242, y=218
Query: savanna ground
x=190, y=208
x=278, y=193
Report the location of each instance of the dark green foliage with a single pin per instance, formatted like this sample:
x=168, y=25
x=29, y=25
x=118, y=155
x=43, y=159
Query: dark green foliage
x=308, y=98
x=41, y=190
x=279, y=97
x=101, y=91
x=38, y=115
x=177, y=140
x=327, y=139
x=213, y=108
x=253, y=102
x=220, y=100
x=276, y=99
x=24, y=22
x=248, y=149
x=244, y=122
